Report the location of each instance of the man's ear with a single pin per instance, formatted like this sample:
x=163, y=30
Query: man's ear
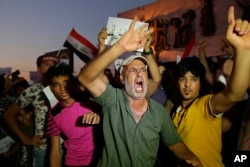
x=122, y=78
x=38, y=69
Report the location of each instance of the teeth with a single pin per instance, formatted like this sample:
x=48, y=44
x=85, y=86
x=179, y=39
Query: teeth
x=139, y=88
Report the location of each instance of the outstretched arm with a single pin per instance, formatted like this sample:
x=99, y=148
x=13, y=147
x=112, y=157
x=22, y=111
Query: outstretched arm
x=238, y=34
x=155, y=77
x=203, y=60
x=10, y=119
x=183, y=153
x=103, y=34
x=227, y=47
x=132, y=40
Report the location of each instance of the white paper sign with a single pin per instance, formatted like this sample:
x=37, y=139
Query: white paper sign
x=51, y=97
x=178, y=59
x=116, y=27
x=6, y=143
x=118, y=63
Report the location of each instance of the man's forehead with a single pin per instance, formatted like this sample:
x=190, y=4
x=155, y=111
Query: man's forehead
x=60, y=77
x=190, y=74
x=137, y=62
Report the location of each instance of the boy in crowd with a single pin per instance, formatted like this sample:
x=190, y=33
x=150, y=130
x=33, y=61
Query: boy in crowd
x=71, y=119
x=34, y=95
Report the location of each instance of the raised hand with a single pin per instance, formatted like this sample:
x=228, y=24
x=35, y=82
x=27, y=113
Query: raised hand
x=134, y=39
x=101, y=39
x=202, y=44
x=148, y=42
x=238, y=31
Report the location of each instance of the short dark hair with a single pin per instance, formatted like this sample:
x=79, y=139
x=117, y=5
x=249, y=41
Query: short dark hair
x=193, y=65
x=63, y=69
x=29, y=108
x=22, y=84
x=60, y=70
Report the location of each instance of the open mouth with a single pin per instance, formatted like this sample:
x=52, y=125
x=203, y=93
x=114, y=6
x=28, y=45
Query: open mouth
x=139, y=85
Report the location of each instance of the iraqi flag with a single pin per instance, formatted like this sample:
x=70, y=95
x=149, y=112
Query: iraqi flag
x=189, y=46
x=84, y=49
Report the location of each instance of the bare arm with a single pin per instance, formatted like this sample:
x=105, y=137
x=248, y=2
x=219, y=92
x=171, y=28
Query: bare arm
x=203, y=60
x=10, y=119
x=227, y=47
x=55, y=151
x=132, y=40
x=103, y=34
x=155, y=79
x=102, y=47
x=183, y=153
x=93, y=82
x=238, y=34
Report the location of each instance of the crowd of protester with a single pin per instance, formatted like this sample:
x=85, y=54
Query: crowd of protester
x=145, y=114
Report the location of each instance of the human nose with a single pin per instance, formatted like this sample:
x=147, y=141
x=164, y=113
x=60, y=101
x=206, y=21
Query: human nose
x=62, y=87
x=187, y=82
x=138, y=72
x=25, y=116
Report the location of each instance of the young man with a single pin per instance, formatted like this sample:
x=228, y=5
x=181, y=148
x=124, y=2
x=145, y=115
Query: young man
x=11, y=156
x=133, y=123
x=65, y=119
x=198, y=118
x=33, y=95
x=26, y=122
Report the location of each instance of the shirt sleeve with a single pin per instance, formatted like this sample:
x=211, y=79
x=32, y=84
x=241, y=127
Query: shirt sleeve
x=52, y=128
x=169, y=133
x=211, y=110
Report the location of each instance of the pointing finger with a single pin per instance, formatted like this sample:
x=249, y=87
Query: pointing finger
x=231, y=16
x=231, y=22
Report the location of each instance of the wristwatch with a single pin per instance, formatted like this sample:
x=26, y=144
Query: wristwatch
x=150, y=52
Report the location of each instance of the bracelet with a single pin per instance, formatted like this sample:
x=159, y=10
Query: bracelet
x=150, y=52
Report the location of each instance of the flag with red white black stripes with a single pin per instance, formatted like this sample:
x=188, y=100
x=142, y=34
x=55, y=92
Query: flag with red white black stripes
x=82, y=47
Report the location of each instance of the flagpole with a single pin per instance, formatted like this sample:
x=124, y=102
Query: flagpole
x=62, y=47
x=59, y=51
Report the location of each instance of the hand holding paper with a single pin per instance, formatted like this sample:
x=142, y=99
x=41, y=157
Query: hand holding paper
x=116, y=28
